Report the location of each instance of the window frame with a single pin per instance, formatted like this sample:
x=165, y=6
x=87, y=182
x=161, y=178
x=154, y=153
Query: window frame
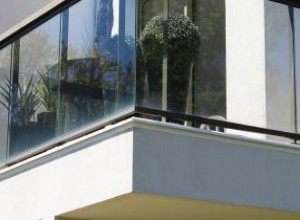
x=294, y=3
x=36, y=22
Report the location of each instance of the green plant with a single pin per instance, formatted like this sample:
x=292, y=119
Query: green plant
x=178, y=32
x=5, y=92
x=20, y=101
x=178, y=39
x=44, y=91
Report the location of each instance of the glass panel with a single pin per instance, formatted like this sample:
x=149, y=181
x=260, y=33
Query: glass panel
x=98, y=70
x=80, y=67
x=149, y=89
x=73, y=70
x=5, y=64
x=182, y=56
x=127, y=59
x=297, y=59
x=280, y=112
x=207, y=95
x=34, y=87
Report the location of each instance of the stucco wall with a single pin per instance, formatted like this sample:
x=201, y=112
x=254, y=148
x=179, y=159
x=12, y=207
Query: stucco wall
x=13, y=11
x=68, y=179
x=211, y=168
x=150, y=157
x=245, y=55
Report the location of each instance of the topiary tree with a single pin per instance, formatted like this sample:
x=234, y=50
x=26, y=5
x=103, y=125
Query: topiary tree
x=180, y=37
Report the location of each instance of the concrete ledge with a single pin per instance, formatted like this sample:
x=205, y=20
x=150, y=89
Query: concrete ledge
x=216, y=167
x=151, y=158
x=30, y=19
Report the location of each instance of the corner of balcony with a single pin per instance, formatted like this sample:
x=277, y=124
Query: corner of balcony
x=144, y=169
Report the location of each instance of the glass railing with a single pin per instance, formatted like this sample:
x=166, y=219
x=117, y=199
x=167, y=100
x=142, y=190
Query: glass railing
x=186, y=65
x=99, y=57
x=73, y=70
x=5, y=63
x=182, y=56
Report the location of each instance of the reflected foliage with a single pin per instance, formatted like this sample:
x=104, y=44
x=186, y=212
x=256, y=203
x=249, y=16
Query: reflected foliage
x=206, y=94
x=22, y=103
x=44, y=91
x=210, y=71
x=178, y=39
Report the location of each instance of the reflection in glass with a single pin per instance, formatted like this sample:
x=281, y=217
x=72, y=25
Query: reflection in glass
x=148, y=90
x=280, y=114
x=83, y=84
x=72, y=70
x=192, y=40
x=80, y=66
x=5, y=62
x=297, y=65
x=98, y=74
x=210, y=66
x=34, y=98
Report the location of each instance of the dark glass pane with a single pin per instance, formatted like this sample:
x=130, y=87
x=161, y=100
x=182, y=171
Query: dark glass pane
x=182, y=56
x=210, y=64
x=5, y=64
x=149, y=68
x=34, y=87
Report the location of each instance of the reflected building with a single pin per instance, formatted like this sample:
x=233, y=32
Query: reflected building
x=104, y=19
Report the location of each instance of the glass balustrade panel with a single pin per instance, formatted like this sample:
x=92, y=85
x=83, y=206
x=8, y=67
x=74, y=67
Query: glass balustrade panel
x=5, y=69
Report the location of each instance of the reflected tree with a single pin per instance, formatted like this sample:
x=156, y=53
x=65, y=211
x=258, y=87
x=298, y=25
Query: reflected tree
x=209, y=70
x=182, y=42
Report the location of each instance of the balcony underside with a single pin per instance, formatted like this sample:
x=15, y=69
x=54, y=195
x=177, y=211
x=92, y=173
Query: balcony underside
x=148, y=207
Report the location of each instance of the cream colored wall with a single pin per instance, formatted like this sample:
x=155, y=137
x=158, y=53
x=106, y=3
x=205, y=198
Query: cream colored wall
x=139, y=206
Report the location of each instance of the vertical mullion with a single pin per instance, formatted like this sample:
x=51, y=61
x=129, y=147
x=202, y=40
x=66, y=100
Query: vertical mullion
x=291, y=13
x=14, y=80
x=62, y=61
x=165, y=57
x=121, y=50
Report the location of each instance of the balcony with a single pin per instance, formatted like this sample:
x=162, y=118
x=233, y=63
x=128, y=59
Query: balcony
x=145, y=169
x=156, y=59
x=129, y=108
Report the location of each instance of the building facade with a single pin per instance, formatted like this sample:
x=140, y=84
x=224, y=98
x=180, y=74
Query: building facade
x=149, y=109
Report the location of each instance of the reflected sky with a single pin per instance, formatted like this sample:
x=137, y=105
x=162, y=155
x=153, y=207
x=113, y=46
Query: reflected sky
x=82, y=26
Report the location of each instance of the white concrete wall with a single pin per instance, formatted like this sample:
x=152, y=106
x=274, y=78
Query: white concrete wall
x=15, y=14
x=245, y=54
x=216, y=168
x=153, y=158
x=13, y=11
x=279, y=67
x=61, y=182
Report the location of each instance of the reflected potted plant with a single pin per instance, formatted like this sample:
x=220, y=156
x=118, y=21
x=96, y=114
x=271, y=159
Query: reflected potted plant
x=21, y=102
x=180, y=37
x=47, y=100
